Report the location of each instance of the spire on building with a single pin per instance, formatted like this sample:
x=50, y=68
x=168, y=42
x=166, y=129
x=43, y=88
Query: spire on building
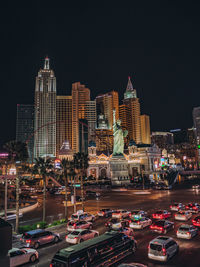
x=46, y=63
x=129, y=87
x=130, y=92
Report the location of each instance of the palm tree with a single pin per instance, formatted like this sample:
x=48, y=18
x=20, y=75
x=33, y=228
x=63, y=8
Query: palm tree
x=43, y=167
x=81, y=164
x=66, y=167
x=18, y=155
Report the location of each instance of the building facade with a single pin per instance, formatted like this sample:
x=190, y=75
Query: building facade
x=91, y=117
x=196, y=122
x=25, y=127
x=133, y=108
x=145, y=129
x=63, y=121
x=80, y=95
x=45, y=113
x=105, y=104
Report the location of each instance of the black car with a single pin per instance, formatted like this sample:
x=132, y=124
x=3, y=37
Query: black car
x=162, y=226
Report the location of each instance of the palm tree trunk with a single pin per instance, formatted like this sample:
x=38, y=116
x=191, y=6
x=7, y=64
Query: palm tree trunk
x=66, y=207
x=74, y=193
x=82, y=192
x=17, y=204
x=44, y=199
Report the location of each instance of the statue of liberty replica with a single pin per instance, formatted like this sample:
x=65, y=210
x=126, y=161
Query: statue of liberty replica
x=119, y=134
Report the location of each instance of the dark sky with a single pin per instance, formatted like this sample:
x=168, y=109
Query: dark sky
x=157, y=43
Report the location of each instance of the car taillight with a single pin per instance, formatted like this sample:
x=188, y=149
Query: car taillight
x=138, y=222
x=148, y=247
x=50, y=265
x=164, y=251
x=193, y=221
x=151, y=227
x=170, y=206
x=129, y=221
x=74, y=225
x=28, y=241
x=188, y=233
x=66, y=236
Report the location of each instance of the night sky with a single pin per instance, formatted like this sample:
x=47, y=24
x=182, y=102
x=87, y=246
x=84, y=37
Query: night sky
x=157, y=43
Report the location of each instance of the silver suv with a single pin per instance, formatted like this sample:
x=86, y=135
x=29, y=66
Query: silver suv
x=36, y=238
x=162, y=248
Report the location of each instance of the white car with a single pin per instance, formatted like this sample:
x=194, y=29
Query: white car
x=177, y=206
x=140, y=223
x=11, y=216
x=80, y=235
x=82, y=216
x=183, y=216
x=196, y=186
x=186, y=231
x=162, y=248
x=22, y=256
x=73, y=225
x=121, y=214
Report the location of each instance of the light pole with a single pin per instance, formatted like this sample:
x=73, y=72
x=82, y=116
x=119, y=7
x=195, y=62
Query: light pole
x=6, y=197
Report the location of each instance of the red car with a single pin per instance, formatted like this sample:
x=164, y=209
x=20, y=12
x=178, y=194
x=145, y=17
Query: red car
x=161, y=214
x=196, y=221
x=162, y=226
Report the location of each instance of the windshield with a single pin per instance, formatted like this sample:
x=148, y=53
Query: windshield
x=156, y=247
x=159, y=212
x=74, y=233
x=159, y=223
x=184, y=228
x=74, y=216
x=26, y=236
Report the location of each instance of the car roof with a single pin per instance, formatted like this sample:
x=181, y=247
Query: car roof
x=185, y=225
x=78, y=230
x=13, y=250
x=161, y=239
x=32, y=232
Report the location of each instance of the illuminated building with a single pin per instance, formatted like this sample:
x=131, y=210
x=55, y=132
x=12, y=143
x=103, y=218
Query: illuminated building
x=25, y=127
x=105, y=105
x=65, y=151
x=63, y=121
x=45, y=113
x=124, y=116
x=91, y=116
x=104, y=140
x=83, y=136
x=196, y=122
x=133, y=109
x=102, y=122
x=162, y=139
x=80, y=95
x=145, y=129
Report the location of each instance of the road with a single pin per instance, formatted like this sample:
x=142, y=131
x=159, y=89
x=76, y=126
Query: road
x=149, y=201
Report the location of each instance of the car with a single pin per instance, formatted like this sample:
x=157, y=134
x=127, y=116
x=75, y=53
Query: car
x=80, y=235
x=11, y=216
x=196, y=221
x=193, y=207
x=196, y=186
x=135, y=214
x=92, y=194
x=161, y=214
x=105, y=213
x=36, y=238
x=134, y=264
x=186, y=231
x=182, y=215
x=140, y=223
x=121, y=214
x=177, y=206
x=162, y=226
x=82, y=216
x=115, y=223
x=21, y=256
x=72, y=225
x=162, y=248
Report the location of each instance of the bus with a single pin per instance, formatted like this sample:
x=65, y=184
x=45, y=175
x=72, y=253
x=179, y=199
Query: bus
x=103, y=250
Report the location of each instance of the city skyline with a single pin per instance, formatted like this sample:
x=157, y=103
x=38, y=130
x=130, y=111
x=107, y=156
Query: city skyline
x=156, y=45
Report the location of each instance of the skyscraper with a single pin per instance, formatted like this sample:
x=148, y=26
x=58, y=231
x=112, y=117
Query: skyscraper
x=25, y=127
x=45, y=113
x=80, y=95
x=196, y=121
x=105, y=105
x=145, y=129
x=91, y=116
x=63, y=121
x=133, y=108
